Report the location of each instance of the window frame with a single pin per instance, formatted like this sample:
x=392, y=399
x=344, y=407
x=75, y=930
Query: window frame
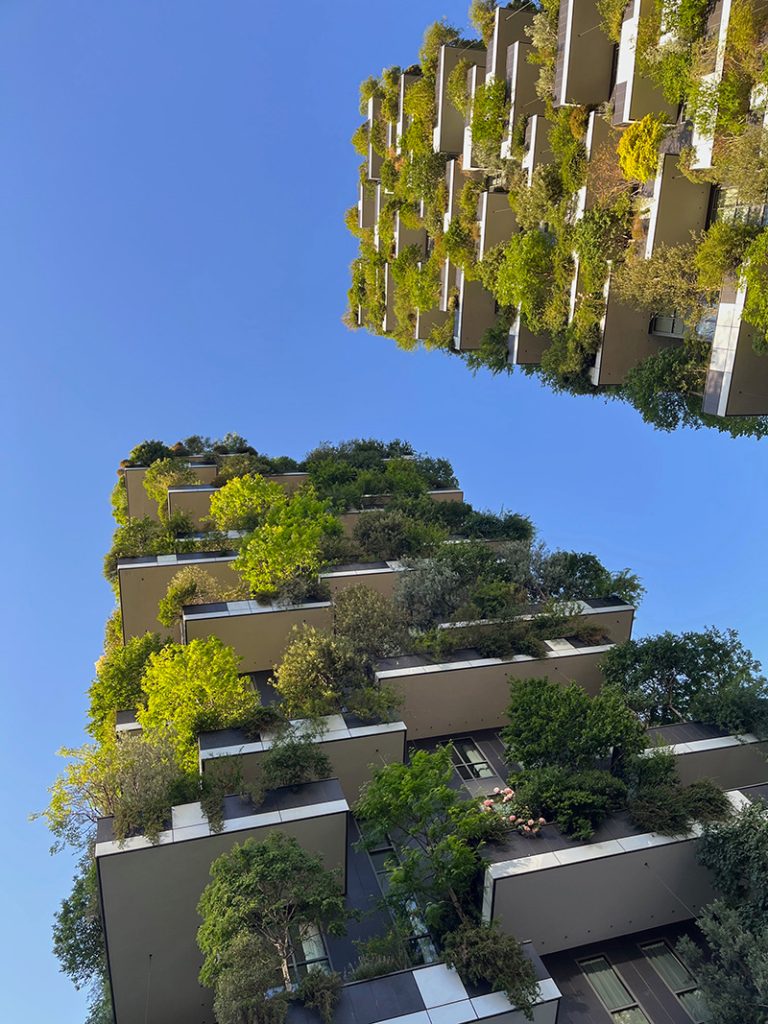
x=633, y=1005
x=468, y=765
x=677, y=993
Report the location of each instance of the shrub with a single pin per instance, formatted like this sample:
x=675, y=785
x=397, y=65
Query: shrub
x=118, y=682
x=359, y=139
x=190, y=585
x=383, y=954
x=490, y=115
x=119, y=501
x=612, y=14
x=194, y=688
x=78, y=940
x=293, y=759
x=244, y=502
x=670, y=809
x=320, y=990
x=163, y=474
x=741, y=162
x=457, y=87
x=482, y=14
x=392, y=534
x=369, y=622
x=147, y=452
x=428, y=593
x=579, y=575
x=754, y=274
x=667, y=281
x=578, y=802
x=525, y=277
x=720, y=252
x=484, y=954
x=638, y=147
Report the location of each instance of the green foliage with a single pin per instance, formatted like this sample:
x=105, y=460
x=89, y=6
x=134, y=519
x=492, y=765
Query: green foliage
x=438, y=34
x=457, y=87
x=721, y=252
x=270, y=890
x=391, y=534
x=525, y=277
x=708, y=676
x=320, y=990
x=118, y=682
x=287, y=544
x=244, y=502
x=579, y=575
x=669, y=809
x=135, y=780
x=666, y=281
x=190, y=585
x=147, y=452
x=383, y=954
x=360, y=138
x=490, y=115
x=245, y=988
x=484, y=954
x=163, y=474
x=754, y=274
x=436, y=831
x=612, y=14
x=294, y=759
x=638, y=147
x=666, y=387
x=369, y=622
x=741, y=162
x=194, y=688
x=119, y=501
x=551, y=724
x=577, y=801
x=323, y=675
x=482, y=14
x=78, y=936
x=369, y=89
x=599, y=236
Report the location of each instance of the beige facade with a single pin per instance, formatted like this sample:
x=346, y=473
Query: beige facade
x=584, y=55
x=140, y=505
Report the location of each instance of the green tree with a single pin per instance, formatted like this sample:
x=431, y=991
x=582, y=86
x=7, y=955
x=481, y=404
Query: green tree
x=484, y=954
x=287, y=544
x=118, y=682
x=708, y=676
x=551, y=724
x=244, y=502
x=754, y=274
x=369, y=621
x=78, y=937
x=273, y=890
x=579, y=575
x=733, y=975
x=638, y=147
x=436, y=831
x=526, y=276
x=193, y=688
x=191, y=585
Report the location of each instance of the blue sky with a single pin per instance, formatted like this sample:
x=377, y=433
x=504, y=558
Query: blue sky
x=173, y=261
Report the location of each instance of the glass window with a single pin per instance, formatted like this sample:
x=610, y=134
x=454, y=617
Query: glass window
x=308, y=950
x=677, y=976
x=384, y=858
x=469, y=760
x=612, y=991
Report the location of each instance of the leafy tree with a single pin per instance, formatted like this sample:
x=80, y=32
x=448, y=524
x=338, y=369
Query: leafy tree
x=526, y=277
x=754, y=274
x=576, y=575
x=482, y=14
x=484, y=954
x=733, y=975
x=193, y=688
x=428, y=592
x=490, y=114
x=708, y=676
x=392, y=534
x=244, y=502
x=638, y=147
x=294, y=759
x=577, y=801
x=320, y=990
x=78, y=937
x=119, y=501
x=721, y=251
x=244, y=990
x=135, y=779
x=118, y=682
x=666, y=388
x=272, y=890
x=147, y=452
x=322, y=674
x=666, y=281
x=369, y=622
x=287, y=544
x=163, y=474
x=551, y=724
x=436, y=831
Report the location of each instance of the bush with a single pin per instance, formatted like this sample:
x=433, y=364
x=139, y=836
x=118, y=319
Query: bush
x=194, y=688
x=670, y=809
x=163, y=474
x=720, y=252
x=638, y=147
x=369, y=622
x=244, y=502
x=147, y=452
x=190, y=585
x=482, y=14
x=457, y=86
x=754, y=274
x=525, y=277
x=320, y=990
x=118, y=682
x=484, y=954
x=383, y=954
x=294, y=759
x=578, y=802
x=391, y=534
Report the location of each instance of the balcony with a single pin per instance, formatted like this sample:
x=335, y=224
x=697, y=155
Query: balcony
x=496, y=219
x=352, y=746
x=634, y=95
x=537, y=151
x=149, y=894
x=508, y=28
x=737, y=378
x=476, y=313
x=676, y=208
x=525, y=347
x=521, y=76
x=140, y=505
x=584, y=55
x=448, y=133
x=653, y=880
x=702, y=751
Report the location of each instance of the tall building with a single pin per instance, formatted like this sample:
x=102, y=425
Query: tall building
x=253, y=686
x=580, y=193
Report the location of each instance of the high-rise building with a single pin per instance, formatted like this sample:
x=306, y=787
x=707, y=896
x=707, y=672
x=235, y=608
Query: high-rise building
x=580, y=193
x=301, y=649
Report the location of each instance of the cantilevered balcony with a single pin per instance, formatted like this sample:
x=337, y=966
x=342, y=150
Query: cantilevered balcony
x=525, y=347
x=475, y=313
x=521, y=76
x=448, y=133
x=737, y=378
x=653, y=880
x=509, y=27
x=366, y=206
x=703, y=141
x=706, y=752
x=676, y=208
x=496, y=221
x=584, y=55
x=634, y=94
x=374, y=160
x=140, y=505
x=537, y=151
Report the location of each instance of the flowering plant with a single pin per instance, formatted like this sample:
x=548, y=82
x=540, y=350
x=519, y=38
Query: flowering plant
x=514, y=816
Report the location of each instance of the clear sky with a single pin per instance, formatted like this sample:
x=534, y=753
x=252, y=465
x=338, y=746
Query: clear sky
x=173, y=261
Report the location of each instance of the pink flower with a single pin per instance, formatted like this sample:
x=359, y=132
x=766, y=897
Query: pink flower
x=496, y=789
x=510, y=791
x=542, y=821
x=531, y=821
x=487, y=803
x=526, y=829
x=513, y=817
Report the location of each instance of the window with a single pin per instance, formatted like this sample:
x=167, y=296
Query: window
x=469, y=761
x=612, y=992
x=384, y=858
x=677, y=976
x=307, y=950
